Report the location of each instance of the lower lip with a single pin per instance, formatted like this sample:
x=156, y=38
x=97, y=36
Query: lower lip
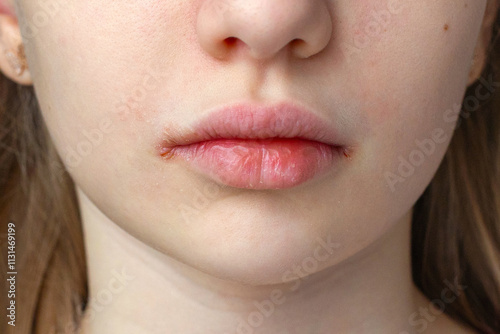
x=258, y=163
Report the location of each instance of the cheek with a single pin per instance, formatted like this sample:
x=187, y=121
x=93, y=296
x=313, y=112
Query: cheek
x=415, y=77
x=408, y=84
x=103, y=69
x=391, y=49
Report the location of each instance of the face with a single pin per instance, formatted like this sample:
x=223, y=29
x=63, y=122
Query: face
x=116, y=78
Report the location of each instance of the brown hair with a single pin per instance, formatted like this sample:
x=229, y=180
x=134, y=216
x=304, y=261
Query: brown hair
x=455, y=233
x=39, y=198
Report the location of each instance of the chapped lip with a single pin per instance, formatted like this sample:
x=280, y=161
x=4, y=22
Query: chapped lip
x=257, y=147
x=254, y=121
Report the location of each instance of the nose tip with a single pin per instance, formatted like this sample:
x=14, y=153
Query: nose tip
x=264, y=27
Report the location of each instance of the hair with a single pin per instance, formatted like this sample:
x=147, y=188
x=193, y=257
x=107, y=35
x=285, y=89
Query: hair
x=455, y=228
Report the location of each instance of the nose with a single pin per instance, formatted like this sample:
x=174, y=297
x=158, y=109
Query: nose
x=264, y=27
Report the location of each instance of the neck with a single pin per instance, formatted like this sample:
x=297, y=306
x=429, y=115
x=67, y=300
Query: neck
x=135, y=289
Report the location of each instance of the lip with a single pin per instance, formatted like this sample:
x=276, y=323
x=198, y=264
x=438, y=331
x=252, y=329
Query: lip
x=256, y=146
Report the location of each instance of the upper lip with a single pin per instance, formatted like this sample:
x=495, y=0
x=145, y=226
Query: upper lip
x=254, y=121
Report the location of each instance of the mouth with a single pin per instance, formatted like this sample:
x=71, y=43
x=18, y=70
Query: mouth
x=257, y=147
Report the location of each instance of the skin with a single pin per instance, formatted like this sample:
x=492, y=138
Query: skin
x=198, y=255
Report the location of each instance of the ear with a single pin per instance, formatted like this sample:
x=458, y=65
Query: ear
x=12, y=58
x=484, y=41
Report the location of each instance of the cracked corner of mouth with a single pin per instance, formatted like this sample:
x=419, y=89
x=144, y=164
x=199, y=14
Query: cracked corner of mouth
x=348, y=152
x=166, y=153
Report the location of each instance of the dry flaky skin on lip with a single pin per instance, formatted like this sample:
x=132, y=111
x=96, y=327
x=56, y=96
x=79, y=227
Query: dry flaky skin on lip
x=168, y=152
x=272, y=163
x=258, y=145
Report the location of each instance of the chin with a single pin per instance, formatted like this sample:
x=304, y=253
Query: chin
x=256, y=247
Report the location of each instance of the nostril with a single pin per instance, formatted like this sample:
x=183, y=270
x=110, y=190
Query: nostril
x=233, y=44
x=230, y=41
x=297, y=42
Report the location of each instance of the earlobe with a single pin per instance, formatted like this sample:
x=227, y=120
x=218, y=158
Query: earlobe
x=12, y=57
x=483, y=43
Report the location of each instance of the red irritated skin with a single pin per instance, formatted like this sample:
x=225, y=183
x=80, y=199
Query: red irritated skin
x=6, y=9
